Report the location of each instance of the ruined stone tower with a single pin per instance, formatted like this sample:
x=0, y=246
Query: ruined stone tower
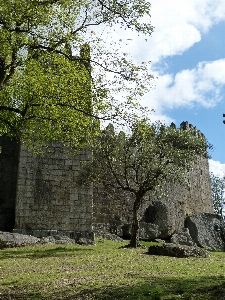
x=48, y=201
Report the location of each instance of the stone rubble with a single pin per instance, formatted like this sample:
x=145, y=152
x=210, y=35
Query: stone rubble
x=11, y=240
x=180, y=251
x=207, y=231
x=182, y=237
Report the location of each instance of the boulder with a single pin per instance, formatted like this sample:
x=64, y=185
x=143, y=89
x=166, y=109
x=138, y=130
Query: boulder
x=110, y=237
x=47, y=240
x=85, y=242
x=112, y=233
x=62, y=239
x=10, y=240
x=177, y=251
x=162, y=215
x=207, y=231
x=57, y=239
x=182, y=237
x=147, y=231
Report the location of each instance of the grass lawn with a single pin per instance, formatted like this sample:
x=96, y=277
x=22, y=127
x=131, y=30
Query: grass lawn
x=107, y=271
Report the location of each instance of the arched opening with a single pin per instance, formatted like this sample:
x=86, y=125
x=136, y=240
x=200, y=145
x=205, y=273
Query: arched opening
x=9, y=159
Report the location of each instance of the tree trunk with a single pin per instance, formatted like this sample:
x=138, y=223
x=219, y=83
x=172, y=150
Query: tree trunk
x=134, y=242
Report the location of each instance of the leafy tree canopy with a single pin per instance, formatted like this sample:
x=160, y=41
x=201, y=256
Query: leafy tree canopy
x=48, y=76
x=139, y=162
x=218, y=193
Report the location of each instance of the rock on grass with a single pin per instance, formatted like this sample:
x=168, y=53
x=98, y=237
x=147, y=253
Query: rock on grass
x=178, y=251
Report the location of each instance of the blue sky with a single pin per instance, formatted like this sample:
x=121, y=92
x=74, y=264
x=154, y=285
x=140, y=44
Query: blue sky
x=187, y=54
x=208, y=120
x=187, y=51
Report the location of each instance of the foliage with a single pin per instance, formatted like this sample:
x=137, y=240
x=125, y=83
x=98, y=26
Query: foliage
x=82, y=272
x=218, y=193
x=50, y=86
x=141, y=161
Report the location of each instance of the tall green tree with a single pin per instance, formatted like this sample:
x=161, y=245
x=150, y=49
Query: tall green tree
x=141, y=161
x=48, y=75
x=218, y=193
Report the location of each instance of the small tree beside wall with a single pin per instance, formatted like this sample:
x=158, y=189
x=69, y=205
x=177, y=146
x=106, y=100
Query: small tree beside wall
x=142, y=160
x=218, y=193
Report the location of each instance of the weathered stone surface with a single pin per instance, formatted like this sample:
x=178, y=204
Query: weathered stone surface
x=206, y=231
x=161, y=215
x=177, y=251
x=182, y=237
x=10, y=240
x=105, y=231
x=108, y=236
x=147, y=231
x=47, y=240
x=63, y=240
x=48, y=198
x=85, y=242
x=57, y=239
x=167, y=207
x=40, y=197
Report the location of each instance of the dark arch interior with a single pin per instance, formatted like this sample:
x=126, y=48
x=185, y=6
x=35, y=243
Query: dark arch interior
x=9, y=159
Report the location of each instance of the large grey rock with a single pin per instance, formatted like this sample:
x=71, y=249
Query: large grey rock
x=85, y=242
x=160, y=214
x=57, y=239
x=147, y=231
x=10, y=240
x=182, y=237
x=177, y=251
x=109, y=236
x=206, y=230
x=105, y=232
x=47, y=240
x=62, y=239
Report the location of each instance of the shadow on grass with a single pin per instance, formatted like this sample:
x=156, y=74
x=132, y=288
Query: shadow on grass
x=41, y=253
x=159, y=289
x=204, y=288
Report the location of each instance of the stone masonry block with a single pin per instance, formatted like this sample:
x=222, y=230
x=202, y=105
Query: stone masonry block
x=74, y=197
x=68, y=162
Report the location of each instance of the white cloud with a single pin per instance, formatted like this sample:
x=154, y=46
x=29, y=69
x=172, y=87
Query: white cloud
x=158, y=116
x=178, y=24
x=201, y=85
x=216, y=168
x=174, y=33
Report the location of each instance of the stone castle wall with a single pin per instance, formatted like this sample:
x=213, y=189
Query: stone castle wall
x=48, y=200
x=179, y=201
x=39, y=196
x=167, y=208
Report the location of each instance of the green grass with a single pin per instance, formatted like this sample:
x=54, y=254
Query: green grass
x=107, y=271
